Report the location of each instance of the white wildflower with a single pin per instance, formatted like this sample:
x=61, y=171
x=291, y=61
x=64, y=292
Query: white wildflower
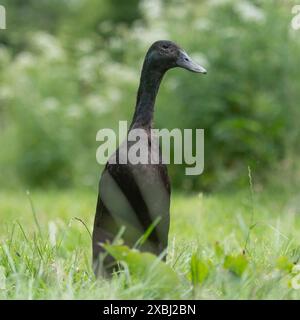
x=115, y=43
x=151, y=9
x=202, y=24
x=296, y=268
x=87, y=68
x=118, y=71
x=25, y=60
x=96, y=104
x=48, y=45
x=85, y=45
x=147, y=36
x=218, y=2
x=114, y=94
x=249, y=12
x=50, y=103
x=74, y=111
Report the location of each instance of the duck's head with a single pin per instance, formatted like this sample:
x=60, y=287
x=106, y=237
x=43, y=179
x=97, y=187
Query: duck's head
x=164, y=55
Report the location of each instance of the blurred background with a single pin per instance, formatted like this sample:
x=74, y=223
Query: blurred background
x=71, y=67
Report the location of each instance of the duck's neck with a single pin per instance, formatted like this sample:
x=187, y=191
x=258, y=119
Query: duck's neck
x=147, y=92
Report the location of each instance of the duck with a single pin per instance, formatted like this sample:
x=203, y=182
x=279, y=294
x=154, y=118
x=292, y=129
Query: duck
x=134, y=198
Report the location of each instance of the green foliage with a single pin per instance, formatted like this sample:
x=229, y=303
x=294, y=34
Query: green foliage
x=45, y=252
x=236, y=264
x=147, y=267
x=199, y=270
x=219, y=251
x=70, y=68
x=284, y=264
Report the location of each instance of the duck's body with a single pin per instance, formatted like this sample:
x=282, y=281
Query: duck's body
x=132, y=196
x=137, y=196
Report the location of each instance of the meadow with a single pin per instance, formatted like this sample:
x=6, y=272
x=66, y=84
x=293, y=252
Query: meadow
x=242, y=245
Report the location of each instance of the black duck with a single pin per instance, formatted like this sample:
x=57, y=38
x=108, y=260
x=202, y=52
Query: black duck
x=137, y=196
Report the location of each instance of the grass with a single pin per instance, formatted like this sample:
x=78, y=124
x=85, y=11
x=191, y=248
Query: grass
x=222, y=246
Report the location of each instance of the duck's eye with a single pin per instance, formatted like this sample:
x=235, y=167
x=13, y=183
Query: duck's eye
x=165, y=46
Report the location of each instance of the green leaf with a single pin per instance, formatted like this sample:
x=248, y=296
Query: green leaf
x=284, y=264
x=219, y=251
x=145, y=265
x=199, y=270
x=236, y=264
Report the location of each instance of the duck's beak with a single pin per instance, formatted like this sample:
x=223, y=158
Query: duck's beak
x=184, y=61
